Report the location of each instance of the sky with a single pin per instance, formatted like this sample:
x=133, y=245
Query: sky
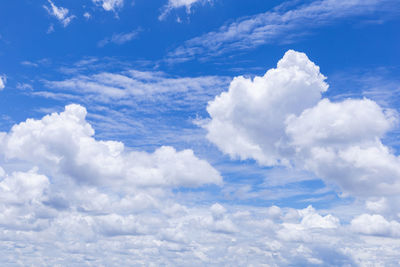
x=199, y=133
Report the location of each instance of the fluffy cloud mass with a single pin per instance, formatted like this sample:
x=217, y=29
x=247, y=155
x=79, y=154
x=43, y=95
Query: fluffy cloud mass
x=67, y=198
x=63, y=144
x=282, y=119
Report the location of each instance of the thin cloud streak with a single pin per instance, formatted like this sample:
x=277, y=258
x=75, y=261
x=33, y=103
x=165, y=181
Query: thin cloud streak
x=277, y=26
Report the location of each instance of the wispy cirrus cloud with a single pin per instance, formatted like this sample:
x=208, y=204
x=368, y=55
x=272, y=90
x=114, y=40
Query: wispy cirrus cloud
x=60, y=13
x=119, y=38
x=283, y=24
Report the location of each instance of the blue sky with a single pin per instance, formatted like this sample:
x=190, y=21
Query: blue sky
x=200, y=132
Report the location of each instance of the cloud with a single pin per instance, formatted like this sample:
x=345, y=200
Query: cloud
x=375, y=225
x=281, y=25
x=60, y=13
x=63, y=144
x=119, y=38
x=106, y=86
x=3, y=80
x=110, y=5
x=282, y=119
x=174, y=4
x=76, y=200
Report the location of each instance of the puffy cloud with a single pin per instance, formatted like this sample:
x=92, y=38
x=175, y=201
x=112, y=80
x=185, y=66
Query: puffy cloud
x=110, y=5
x=63, y=143
x=3, y=80
x=248, y=120
x=375, y=225
x=281, y=119
x=61, y=13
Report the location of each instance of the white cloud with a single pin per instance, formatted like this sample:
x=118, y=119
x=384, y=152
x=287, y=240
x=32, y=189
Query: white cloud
x=63, y=144
x=106, y=86
x=281, y=119
x=89, y=201
x=375, y=225
x=279, y=25
x=119, y=38
x=3, y=80
x=110, y=5
x=256, y=130
x=173, y=4
x=61, y=13
x=87, y=15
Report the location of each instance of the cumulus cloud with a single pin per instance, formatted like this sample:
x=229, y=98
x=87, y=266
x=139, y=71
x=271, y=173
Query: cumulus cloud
x=63, y=144
x=60, y=13
x=67, y=198
x=3, y=80
x=375, y=225
x=173, y=4
x=282, y=119
x=110, y=5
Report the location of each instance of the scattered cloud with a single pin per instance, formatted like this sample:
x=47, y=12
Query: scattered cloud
x=119, y=38
x=174, y=4
x=280, y=25
x=60, y=13
x=110, y=5
x=3, y=80
x=87, y=15
x=29, y=63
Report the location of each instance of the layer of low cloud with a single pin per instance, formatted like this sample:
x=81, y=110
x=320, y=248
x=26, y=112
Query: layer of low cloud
x=281, y=25
x=281, y=119
x=60, y=13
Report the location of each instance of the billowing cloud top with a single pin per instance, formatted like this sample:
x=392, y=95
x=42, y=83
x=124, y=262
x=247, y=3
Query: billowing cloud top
x=282, y=119
x=62, y=144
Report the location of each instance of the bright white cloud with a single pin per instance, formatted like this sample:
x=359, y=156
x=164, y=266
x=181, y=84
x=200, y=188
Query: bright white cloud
x=75, y=200
x=3, y=80
x=248, y=120
x=281, y=25
x=375, y=225
x=63, y=144
x=281, y=119
x=110, y=5
x=173, y=4
x=61, y=13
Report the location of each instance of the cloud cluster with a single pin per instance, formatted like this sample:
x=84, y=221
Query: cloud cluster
x=63, y=146
x=282, y=119
x=60, y=13
x=67, y=198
